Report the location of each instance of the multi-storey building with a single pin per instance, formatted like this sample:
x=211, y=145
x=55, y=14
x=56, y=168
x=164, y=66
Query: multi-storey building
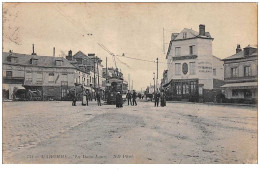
x=193, y=72
x=49, y=75
x=241, y=75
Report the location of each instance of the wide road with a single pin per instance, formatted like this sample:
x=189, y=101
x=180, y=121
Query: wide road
x=56, y=132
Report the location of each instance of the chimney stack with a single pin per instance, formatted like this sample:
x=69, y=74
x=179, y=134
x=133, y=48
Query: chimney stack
x=33, y=50
x=202, y=30
x=54, y=51
x=238, y=48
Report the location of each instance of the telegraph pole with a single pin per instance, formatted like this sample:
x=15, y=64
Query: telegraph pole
x=129, y=87
x=157, y=74
x=95, y=73
x=154, y=82
x=106, y=70
x=98, y=74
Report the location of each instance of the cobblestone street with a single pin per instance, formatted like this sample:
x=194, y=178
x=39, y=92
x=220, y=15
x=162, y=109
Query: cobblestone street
x=56, y=132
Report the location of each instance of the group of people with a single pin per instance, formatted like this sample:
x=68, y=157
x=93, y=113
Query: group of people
x=131, y=98
x=85, y=98
x=157, y=97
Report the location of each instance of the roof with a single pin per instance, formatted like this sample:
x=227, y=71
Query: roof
x=240, y=85
x=190, y=34
x=42, y=61
x=80, y=54
x=241, y=54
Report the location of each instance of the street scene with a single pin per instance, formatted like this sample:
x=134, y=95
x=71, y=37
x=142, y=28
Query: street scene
x=55, y=132
x=141, y=83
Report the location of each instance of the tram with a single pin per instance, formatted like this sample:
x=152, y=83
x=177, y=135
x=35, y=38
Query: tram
x=115, y=85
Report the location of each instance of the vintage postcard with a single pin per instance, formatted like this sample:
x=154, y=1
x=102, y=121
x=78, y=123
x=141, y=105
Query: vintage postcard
x=131, y=83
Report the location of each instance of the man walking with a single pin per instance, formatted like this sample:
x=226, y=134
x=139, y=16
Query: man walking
x=129, y=97
x=98, y=96
x=163, y=99
x=156, y=99
x=134, y=98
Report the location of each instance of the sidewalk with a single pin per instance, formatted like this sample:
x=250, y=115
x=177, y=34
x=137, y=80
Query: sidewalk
x=207, y=103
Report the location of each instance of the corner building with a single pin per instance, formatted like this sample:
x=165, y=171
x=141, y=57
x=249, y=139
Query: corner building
x=194, y=74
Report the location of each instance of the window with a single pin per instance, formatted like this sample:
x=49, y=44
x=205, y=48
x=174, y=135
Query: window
x=178, y=89
x=39, y=77
x=177, y=69
x=9, y=74
x=28, y=76
x=184, y=35
x=192, y=50
x=214, y=72
x=247, y=71
x=234, y=93
x=192, y=68
x=192, y=86
x=234, y=72
x=58, y=62
x=177, y=51
x=185, y=88
x=247, y=93
x=51, y=77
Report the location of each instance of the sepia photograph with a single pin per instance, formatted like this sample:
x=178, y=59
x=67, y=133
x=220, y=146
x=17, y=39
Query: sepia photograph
x=129, y=83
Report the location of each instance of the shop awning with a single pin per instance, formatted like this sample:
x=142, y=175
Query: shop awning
x=166, y=85
x=242, y=85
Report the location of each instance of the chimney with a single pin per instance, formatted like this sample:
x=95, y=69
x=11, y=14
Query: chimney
x=202, y=30
x=33, y=50
x=238, y=48
x=70, y=53
x=54, y=51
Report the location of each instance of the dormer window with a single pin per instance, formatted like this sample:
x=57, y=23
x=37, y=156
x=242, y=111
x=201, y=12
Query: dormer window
x=184, y=35
x=33, y=61
x=58, y=62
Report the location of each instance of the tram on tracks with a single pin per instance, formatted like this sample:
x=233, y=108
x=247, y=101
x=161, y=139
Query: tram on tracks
x=113, y=86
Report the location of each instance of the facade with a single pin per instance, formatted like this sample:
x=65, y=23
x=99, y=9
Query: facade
x=51, y=77
x=194, y=74
x=88, y=73
x=241, y=75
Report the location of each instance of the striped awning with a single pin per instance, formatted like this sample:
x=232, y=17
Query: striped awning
x=242, y=85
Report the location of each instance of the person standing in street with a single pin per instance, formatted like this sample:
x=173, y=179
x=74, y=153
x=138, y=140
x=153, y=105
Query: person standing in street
x=156, y=99
x=134, y=98
x=74, y=97
x=98, y=96
x=84, y=97
x=118, y=99
x=163, y=99
x=129, y=97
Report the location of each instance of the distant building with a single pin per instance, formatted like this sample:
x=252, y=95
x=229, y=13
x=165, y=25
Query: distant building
x=88, y=74
x=241, y=75
x=194, y=74
x=51, y=76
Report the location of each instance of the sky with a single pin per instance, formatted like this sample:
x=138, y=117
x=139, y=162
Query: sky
x=135, y=29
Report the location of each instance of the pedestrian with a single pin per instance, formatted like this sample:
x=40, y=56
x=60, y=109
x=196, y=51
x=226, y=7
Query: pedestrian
x=156, y=99
x=74, y=97
x=121, y=100
x=129, y=97
x=163, y=99
x=134, y=98
x=118, y=99
x=84, y=98
x=87, y=96
x=98, y=96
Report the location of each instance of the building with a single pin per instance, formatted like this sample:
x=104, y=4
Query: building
x=240, y=73
x=194, y=74
x=164, y=80
x=50, y=76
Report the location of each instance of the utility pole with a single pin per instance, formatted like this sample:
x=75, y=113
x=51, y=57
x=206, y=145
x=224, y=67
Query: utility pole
x=129, y=88
x=98, y=74
x=106, y=70
x=154, y=82
x=132, y=85
x=95, y=73
x=157, y=74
